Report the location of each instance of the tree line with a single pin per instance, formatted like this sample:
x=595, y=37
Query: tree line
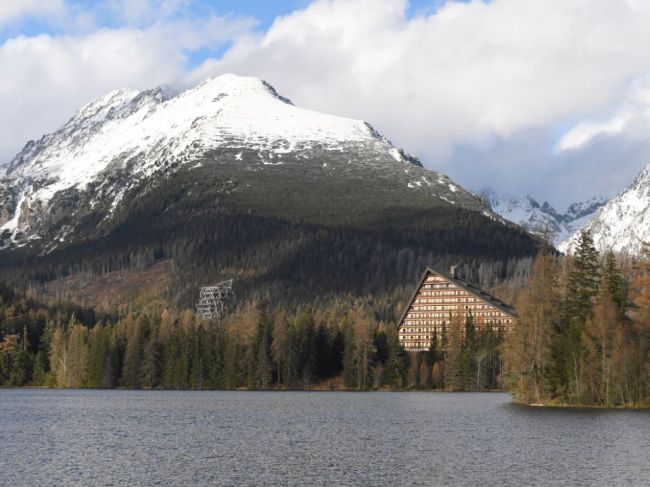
x=345, y=345
x=583, y=333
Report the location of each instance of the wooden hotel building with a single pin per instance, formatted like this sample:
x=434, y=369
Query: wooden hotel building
x=441, y=296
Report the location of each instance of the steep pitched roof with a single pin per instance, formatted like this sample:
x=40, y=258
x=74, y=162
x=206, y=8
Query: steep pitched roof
x=470, y=288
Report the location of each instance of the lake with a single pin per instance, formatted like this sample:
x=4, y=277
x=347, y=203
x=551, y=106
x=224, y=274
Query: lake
x=88, y=437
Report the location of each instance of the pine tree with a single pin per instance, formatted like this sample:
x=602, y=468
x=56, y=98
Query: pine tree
x=280, y=347
x=598, y=342
x=58, y=350
x=100, y=370
x=637, y=365
x=263, y=371
x=616, y=284
x=303, y=337
x=396, y=362
x=43, y=375
x=323, y=359
x=77, y=355
x=454, y=379
x=528, y=347
x=432, y=354
x=583, y=282
x=349, y=355
x=582, y=288
x=150, y=364
x=131, y=368
x=364, y=346
x=470, y=348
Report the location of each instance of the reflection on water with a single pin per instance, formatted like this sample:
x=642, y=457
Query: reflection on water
x=61, y=437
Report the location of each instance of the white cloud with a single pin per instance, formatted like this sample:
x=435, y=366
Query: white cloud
x=15, y=9
x=468, y=74
x=45, y=79
x=631, y=120
x=585, y=132
x=463, y=87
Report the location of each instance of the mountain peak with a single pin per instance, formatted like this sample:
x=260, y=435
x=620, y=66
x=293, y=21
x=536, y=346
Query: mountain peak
x=538, y=219
x=226, y=110
x=234, y=85
x=127, y=139
x=623, y=223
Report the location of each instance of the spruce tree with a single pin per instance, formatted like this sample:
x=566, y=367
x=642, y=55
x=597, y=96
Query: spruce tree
x=582, y=288
x=469, y=354
x=454, y=379
x=616, y=284
x=350, y=364
x=263, y=370
x=584, y=281
x=397, y=361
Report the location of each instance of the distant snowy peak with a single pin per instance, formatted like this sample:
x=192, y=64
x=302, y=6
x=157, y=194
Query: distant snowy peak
x=539, y=218
x=623, y=224
x=584, y=209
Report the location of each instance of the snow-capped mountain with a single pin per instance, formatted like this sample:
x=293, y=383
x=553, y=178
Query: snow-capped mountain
x=254, y=145
x=623, y=224
x=538, y=218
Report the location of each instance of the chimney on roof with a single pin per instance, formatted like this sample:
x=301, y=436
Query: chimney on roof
x=452, y=271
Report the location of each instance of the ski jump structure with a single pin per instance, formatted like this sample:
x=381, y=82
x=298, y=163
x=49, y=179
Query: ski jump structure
x=213, y=300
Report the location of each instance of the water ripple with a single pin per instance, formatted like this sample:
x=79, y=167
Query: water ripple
x=68, y=437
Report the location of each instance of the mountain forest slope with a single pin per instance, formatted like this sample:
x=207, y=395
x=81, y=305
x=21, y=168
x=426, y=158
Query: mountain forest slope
x=231, y=180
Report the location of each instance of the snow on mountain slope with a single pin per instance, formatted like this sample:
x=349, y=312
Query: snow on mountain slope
x=129, y=139
x=528, y=213
x=623, y=224
x=215, y=113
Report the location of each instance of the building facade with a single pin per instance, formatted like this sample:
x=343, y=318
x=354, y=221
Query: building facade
x=441, y=296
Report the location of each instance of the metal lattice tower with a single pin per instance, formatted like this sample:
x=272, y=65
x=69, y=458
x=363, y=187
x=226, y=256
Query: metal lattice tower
x=213, y=300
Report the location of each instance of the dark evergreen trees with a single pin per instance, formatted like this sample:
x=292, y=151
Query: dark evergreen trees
x=582, y=287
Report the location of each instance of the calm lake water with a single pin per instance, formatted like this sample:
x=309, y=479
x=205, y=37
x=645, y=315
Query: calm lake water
x=67, y=437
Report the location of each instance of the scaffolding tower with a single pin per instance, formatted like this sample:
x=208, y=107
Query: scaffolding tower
x=213, y=300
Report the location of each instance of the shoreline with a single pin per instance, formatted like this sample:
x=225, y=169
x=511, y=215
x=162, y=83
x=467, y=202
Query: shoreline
x=634, y=407
x=557, y=406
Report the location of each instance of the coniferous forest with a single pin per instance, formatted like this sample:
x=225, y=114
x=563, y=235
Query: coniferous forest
x=345, y=347
x=324, y=315
x=315, y=305
x=583, y=335
x=582, y=338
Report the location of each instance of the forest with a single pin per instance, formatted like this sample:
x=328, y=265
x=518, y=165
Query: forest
x=283, y=260
x=345, y=346
x=583, y=331
x=320, y=277
x=582, y=339
x=315, y=304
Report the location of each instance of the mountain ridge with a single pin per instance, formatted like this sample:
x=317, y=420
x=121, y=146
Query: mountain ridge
x=230, y=180
x=142, y=133
x=623, y=224
x=538, y=218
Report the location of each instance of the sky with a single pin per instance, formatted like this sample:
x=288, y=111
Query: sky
x=543, y=97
